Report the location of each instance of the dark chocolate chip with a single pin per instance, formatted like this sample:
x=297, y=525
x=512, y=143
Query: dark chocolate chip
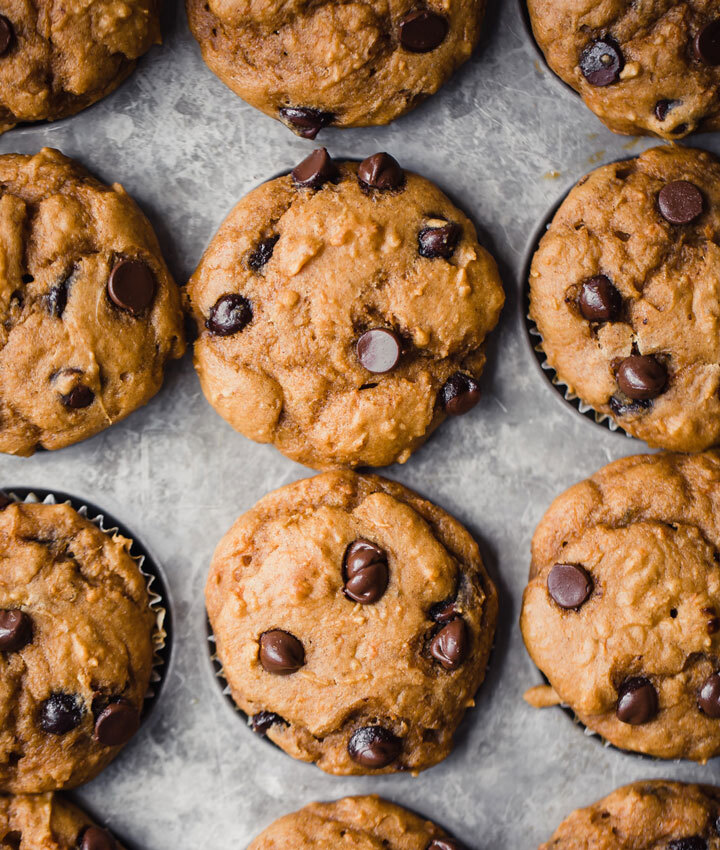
x=707, y=43
x=601, y=62
x=641, y=377
x=374, y=747
x=263, y=720
x=365, y=571
x=599, y=300
x=378, y=350
x=56, y=299
x=315, y=170
x=422, y=31
x=443, y=612
x=680, y=202
x=459, y=394
x=692, y=842
x=131, y=286
x=637, y=701
x=306, y=121
x=94, y=838
x=381, y=171
x=59, y=714
x=445, y=844
x=662, y=107
x=6, y=35
x=623, y=408
x=434, y=242
x=262, y=254
x=450, y=644
x=229, y=315
x=12, y=839
x=569, y=585
x=281, y=653
x=15, y=630
x=709, y=696
x=117, y=724
x=78, y=397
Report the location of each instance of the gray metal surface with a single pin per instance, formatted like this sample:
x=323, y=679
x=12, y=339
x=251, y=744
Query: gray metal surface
x=187, y=149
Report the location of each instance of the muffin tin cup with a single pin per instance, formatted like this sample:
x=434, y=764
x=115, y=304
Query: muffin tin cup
x=154, y=579
x=542, y=61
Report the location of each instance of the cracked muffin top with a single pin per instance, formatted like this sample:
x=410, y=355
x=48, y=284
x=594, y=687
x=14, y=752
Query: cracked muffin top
x=76, y=647
x=50, y=822
x=363, y=823
x=622, y=610
x=651, y=815
x=342, y=311
x=89, y=314
x=625, y=291
x=58, y=58
x=353, y=621
x=650, y=68
x=314, y=64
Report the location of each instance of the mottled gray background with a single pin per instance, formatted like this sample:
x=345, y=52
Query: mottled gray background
x=505, y=139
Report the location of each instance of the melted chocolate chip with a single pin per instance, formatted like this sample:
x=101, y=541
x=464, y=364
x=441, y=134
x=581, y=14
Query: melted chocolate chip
x=680, y=202
x=306, y=121
x=380, y=171
x=637, y=701
x=281, y=653
x=450, y=644
x=263, y=720
x=16, y=630
x=662, y=107
x=262, y=254
x=569, y=585
x=624, y=408
x=422, y=31
x=6, y=35
x=365, y=572
x=12, y=839
x=131, y=286
x=374, y=747
x=459, y=394
x=94, y=838
x=229, y=315
x=56, y=299
x=378, y=350
x=709, y=696
x=315, y=170
x=601, y=62
x=692, y=842
x=434, y=242
x=443, y=612
x=59, y=714
x=707, y=43
x=599, y=300
x=117, y=724
x=78, y=397
x=641, y=377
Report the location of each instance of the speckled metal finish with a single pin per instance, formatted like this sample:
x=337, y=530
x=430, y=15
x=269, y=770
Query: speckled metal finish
x=505, y=139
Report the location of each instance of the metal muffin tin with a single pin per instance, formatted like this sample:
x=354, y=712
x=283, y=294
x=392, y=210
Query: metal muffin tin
x=186, y=148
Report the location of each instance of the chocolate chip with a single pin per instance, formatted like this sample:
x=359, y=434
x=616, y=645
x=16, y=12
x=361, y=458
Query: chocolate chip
x=641, y=377
x=59, y=713
x=365, y=571
x=94, y=838
x=131, y=286
x=692, y=842
x=445, y=844
x=315, y=170
x=443, y=612
x=374, y=747
x=380, y=171
x=709, y=696
x=262, y=254
x=306, y=121
x=434, y=242
x=569, y=585
x=378, y=350
x=117, y=724
x=622, y=408
x=680, y=202
x=637, y=701
x=12, y=839
x=229, y=315
x=707, y=43
x=263, y=720
x=599, y=300
x=422, y=31
x=281, y=653
x=15, y=630
x=450, y=644
x=601, y=62
x=56, y=299
x=459, y=394
x=662, y=107
x=6, y=35
x=78, y=397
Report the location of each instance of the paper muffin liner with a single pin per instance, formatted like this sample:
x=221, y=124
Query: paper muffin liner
x=154, y=582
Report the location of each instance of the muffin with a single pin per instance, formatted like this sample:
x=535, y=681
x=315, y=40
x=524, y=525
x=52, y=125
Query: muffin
x=353, y=622
x=644, y=69
x=342, y=311
x=622, y=609
x=311, y=65
x=89, y=314
x=624, y=292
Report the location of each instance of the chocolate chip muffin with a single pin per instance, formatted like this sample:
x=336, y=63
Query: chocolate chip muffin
x=342, y=311
x=31, y=822
x=58, y=58
x=644, y=69
x=645, y=816
x=624, y=292
x=364, y=823
x=352, y=64
x=76, y=647
x=622, y=610
x=353, y=620
x=89, y=314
